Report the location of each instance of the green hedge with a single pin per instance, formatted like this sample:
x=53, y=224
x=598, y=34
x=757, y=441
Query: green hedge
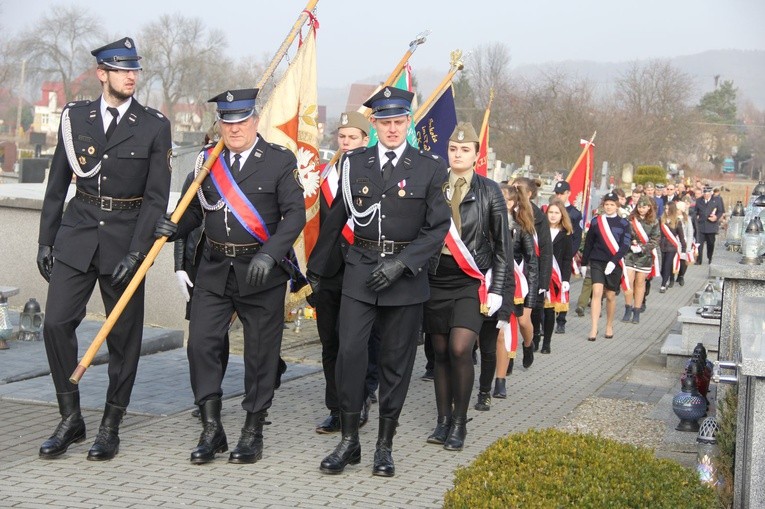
x=551, y=468
x=655, y=174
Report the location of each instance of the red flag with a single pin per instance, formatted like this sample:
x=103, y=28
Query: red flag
x=579, y=179
x=289, y=118
x=482, y=164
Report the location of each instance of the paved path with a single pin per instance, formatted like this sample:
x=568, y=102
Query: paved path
x=152, y=468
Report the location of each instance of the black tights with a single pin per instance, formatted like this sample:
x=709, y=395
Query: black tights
x=548, y=323
x=454, y=371
x=487, y=340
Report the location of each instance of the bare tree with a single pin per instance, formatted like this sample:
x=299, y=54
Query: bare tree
x=58, y=47
x=487, y=68
x=184, y=59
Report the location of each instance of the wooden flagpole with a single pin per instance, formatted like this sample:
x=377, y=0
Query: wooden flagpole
x=138, y=277
x=456, y=66
x=485, y=123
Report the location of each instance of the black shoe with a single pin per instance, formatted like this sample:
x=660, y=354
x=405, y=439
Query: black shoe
x=535, y=341
x=348, y=451
x=456, y=439
x=213, y=438
x=364, y=416
x=69, y=431
x=636, y=316
x=545, y=346
x=280, y=371
x=499, y=388
x=681, y=280
x=671, y=283
x=331, y=424
x=528, y=356
x=428, y=376
x=560, y=328
x=484, y=402
x=441, y=431
x=383, y=463
x=107, y=443
x=579, y=311
x=249, y=449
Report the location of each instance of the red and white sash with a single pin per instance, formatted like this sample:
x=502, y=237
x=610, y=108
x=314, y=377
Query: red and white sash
x=521, y=283
x=613, y=247
x=675, y=242
x=510, y=332
x=643, y=238
x=467, y=263
x=557, y=295
x=329, y=196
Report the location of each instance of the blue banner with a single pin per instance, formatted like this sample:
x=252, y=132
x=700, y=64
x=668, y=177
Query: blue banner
x=437, y=125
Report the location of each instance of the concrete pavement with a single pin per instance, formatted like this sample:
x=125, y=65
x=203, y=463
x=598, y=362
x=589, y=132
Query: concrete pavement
x=158, y=433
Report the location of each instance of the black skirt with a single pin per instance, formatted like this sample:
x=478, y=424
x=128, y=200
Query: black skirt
x=611, y=281
x=453, y=300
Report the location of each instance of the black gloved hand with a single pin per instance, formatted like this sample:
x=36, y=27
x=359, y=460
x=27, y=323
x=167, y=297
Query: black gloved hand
x=386, y=272
x=125, y=269
x=165, y=228
x=45, y=261
x=259, y=269
x=313, y=280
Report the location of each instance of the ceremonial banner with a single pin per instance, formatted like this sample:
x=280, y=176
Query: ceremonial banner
x=289, y=118
x=579, y=179
x=482, y=164
x=404, y=82
x=438, y=124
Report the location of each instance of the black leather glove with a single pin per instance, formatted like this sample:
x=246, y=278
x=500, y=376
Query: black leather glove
x=125, y=269
x=313, y=280
x=165, y=228
x=260, y=267
x=386, y=272
x=45, y=261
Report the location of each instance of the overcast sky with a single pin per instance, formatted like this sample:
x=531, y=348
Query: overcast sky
x=361, y=38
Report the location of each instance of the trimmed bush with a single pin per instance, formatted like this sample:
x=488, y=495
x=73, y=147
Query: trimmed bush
x=552, y=468
x=655, y=174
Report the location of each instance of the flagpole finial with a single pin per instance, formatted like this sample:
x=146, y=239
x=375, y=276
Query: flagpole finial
x=456, y=60
x=420, y=39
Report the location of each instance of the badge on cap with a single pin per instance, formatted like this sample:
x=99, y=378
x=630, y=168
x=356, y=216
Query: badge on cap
x=386, y=93
x=461, y=135
x=127, y=44
x=229, y=97
x=344, y=119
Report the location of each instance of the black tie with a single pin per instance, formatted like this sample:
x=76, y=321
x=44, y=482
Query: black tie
x=387, y=168
x=236, y=165
x=113, y=125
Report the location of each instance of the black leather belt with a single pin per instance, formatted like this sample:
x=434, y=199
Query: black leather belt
x=108, y=203
x=384, y=246
x=234, y=250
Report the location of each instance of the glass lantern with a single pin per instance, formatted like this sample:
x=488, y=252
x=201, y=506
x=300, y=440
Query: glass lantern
x=706, y=451
x=750, y=244
x=31, y=321
x=735, y=226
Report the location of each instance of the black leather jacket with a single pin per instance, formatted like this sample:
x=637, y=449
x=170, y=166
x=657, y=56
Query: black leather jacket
x=523, y=250
x=484, y=230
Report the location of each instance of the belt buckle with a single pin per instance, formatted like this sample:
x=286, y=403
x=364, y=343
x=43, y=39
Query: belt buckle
x=106, y=203
x=229, y=249
x=388, y=247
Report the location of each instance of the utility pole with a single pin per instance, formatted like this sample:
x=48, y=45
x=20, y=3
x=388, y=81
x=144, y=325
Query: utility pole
x=21, y=99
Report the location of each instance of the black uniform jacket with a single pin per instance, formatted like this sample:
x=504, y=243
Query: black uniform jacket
x=268, y=180
x=704, y=209
x=542, y=227
x=135, y=162
x=484, y=230
x=562, y=252
x=335, y=260
x=413, y=210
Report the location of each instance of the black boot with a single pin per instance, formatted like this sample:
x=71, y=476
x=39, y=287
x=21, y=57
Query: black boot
x=364, y=416
x=213, y=438
x=456, y=439
x=636, y=316
x=546, y=345
x=348, y=451
x=441, y=432
x=528, y=356
x=627, y=314
x=383, y=463
x=249, y=449
x=331, y=424
x=70, y=430
x=499, y=388
x=484, y=402
x=107, y=443
x=535, y=341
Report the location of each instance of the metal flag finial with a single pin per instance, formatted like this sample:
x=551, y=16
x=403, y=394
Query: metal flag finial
x=420, y=39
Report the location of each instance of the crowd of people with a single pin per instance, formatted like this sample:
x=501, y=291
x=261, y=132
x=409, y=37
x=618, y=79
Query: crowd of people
x=409, y=243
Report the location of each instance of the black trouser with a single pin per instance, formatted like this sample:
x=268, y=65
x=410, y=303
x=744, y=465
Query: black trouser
x=538, y=315
x=398, y=327
x=327, y=312
x=487, y=341
x=549, y=321
x=262, y=317
x=667, y=259
x=709, y=240
x=68, y=294
x=683, y=268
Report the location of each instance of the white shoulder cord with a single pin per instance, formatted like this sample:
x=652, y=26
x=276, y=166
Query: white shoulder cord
x=205, y=204
x=355, y=214
x=71, y=155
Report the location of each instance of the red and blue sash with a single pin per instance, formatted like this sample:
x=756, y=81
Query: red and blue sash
x=236, y=200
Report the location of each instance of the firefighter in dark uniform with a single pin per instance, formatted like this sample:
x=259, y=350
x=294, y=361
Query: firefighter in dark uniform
x=394, y=194
x=120, y=153
x=253, y=210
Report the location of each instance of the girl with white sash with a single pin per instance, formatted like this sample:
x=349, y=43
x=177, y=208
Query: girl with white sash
x=672, y=245
x=642, y=260
x=557, y=295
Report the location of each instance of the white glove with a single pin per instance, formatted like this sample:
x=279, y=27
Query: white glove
x=542, y=291
x=565, y=286
x=583, y=271
x=636, y=249
x=184, y=283
x=494, y=302
x=501, y=324
x=610, y=266
x=548, y=298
